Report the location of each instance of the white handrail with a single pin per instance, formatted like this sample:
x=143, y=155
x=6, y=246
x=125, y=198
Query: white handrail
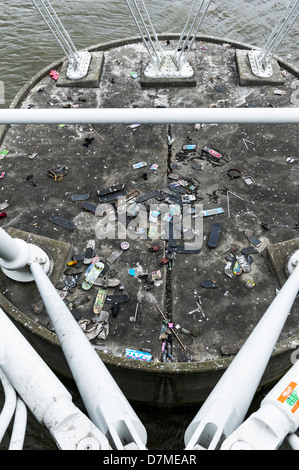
x=151, y=116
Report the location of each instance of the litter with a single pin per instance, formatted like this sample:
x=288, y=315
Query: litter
x=138, y=355
x=189, y=147
x=290, y=159
x=54, y=74
x=248, y=180
x=139, y=165
x=3, y=153
x=212, y=152
x=62, y=222
x=2, y=175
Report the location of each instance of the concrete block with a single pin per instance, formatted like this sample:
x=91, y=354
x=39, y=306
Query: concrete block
x=91, y=80
x=278, y=254
x=247, y=78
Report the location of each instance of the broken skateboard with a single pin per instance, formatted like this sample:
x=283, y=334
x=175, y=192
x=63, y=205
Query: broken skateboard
x=91, y=275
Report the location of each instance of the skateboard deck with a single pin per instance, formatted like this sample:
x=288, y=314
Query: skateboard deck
x=111, y=189
x=91, y=275
x=99, y=301
x=89, y=207
x=117, y=298
x=79, y=197
x=106, y=282
x=214, y=235
x=62, y=222
x=112, y=196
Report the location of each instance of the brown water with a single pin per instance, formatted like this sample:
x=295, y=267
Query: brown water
x=26, y=46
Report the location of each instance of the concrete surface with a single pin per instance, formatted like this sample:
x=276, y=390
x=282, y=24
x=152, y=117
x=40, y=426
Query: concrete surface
x=229, y=311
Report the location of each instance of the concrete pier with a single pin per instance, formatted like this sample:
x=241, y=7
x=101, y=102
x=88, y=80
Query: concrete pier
x=254, y=181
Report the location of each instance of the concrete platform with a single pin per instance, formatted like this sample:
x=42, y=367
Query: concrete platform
x=98, y=156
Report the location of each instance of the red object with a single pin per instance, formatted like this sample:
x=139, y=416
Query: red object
x=3, y=215
x=54, y=74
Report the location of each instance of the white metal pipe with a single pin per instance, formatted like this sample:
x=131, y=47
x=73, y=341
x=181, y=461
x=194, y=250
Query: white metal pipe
x=19, y=426
x=44, y=394
x=277, y=418
x=151, y=116
x=104, y=401
x=9, y=248
x=10, y=400
x=293, y=440
x=226, y=406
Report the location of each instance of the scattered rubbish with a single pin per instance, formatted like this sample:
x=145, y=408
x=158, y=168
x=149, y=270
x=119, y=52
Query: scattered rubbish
x=155, y=166
x=89, y=207
x=171, y=140
x=3, y=205
x=134, y=74
x=248, y=250
x=266, y=226
x=111, y=189
x=234, y=173
x=93, y=130
x=164, y=261
x=88, y=141
x=245, y=143
x=155, y=248
x=248, y=180
x=89, y=252
x=54, y=74
x=172, y=330
x=96, y=328
x=199, y=307
x=62, y=222
x=58, y=174
x=113, y=257
x=212, y=152
x=255, y=241
x=197, y=166
x=117, y=298
x=125, y=245
x=227, y=198
x=3, y=153
x=209, y=284
x=249, y=284
x=3, y=215
x=189, y=147
x=133, y=126
x=214, y=235
x=92, y=273
x=135, y=316
x=139, y=165
x=32, y=155
x=79, y=197
x=290, y=159
x=2, y=175
x=188, y=198
x=99, y=301
x=209, y=212
x=279, y=92
x=138, y=355
x=218, y=88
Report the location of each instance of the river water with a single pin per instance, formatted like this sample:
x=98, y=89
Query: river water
x=26, y=46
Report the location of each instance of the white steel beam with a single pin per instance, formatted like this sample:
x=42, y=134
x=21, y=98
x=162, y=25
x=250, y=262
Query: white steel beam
x=151, y=116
